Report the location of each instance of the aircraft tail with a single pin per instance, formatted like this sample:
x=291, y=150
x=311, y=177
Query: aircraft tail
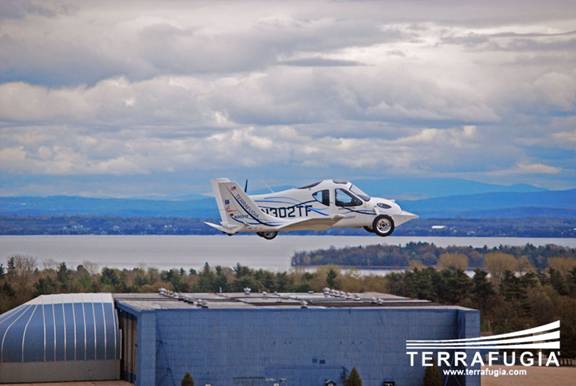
x=237, y=210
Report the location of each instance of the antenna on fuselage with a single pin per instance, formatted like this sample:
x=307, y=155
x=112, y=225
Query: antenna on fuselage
x=246, y=186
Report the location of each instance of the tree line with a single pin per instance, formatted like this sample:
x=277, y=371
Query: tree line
x=508, y=298
x=428, y=254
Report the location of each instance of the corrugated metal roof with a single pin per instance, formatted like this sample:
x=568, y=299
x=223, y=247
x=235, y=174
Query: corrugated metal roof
x=61, y=327
x=96, y=297
x=263, y=300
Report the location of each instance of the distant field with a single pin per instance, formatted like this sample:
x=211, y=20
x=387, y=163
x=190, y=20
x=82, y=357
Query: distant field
x=537, y=376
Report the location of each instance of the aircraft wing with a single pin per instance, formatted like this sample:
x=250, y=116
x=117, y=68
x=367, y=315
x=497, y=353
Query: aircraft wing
x=311, y=223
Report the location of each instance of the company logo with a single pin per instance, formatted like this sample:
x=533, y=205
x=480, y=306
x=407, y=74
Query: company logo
x=485, y=350
x=243, y=204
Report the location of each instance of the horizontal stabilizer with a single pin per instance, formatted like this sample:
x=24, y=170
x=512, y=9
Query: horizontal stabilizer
x=227, y=230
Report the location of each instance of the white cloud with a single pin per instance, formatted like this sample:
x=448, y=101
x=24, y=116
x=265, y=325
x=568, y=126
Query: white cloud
x=104, y=153
x=568, y=137
x=537, y=168
x=528, y=168
x=144, y=87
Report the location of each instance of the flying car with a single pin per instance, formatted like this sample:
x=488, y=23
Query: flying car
x=318, y=206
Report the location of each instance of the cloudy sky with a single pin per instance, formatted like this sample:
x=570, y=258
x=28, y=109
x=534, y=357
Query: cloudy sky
x=154, y=98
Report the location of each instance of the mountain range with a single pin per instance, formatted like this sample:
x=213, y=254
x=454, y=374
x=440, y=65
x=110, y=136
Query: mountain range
x=469, y=199
x=551, y=203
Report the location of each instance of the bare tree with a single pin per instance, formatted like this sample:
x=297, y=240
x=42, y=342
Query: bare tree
x=562, y=264
x=21, y=265
x=497, y=263
x=91, y=267
x=452, y=260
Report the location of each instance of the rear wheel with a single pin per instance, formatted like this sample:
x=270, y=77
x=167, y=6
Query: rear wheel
x=267, y=235
x=383, y=225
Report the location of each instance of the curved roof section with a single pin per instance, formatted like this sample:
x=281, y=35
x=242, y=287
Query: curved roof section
x=63, y=327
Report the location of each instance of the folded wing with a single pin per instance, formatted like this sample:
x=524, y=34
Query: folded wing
x=311, y=223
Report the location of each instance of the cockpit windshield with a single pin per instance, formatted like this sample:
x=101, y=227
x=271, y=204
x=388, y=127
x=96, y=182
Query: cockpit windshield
x=354, y=189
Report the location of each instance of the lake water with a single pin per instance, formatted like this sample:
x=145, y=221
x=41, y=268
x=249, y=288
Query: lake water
x=194, y=251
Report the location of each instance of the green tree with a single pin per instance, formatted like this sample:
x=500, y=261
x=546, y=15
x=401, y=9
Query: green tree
x=176, y=278
x=45, y=286
x=110, y=277
x=221, y=281
x=187, y=380
x=353, y=378
x=63, y=276
x=11, y=263
x=452, y=286
x=331, y=278
x=572, y=282
x=282, y=281
x=7, y=291
x=482, y=289
x=513, y=287
x=206, y=279
x=557, y=281
x=84, y=279
x=432, y=376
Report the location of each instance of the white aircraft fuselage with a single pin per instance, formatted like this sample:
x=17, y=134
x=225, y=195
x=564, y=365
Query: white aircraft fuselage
x=318, y=206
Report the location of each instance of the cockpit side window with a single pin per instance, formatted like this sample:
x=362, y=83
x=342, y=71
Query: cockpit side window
x=322, y=196
x=345, y=198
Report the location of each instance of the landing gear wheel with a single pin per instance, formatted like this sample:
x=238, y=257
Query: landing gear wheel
x=368, y=229
x=383, y=225
x=267, y=235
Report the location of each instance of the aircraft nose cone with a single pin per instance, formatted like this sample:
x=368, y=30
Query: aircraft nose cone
x=403, y=217
x=409, y=215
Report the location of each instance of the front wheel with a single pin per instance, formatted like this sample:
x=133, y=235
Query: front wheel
x=267, y=235
x=383, y=225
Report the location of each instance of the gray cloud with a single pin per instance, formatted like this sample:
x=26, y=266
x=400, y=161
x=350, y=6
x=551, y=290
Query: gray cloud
x=320, y=62
x=144, y=88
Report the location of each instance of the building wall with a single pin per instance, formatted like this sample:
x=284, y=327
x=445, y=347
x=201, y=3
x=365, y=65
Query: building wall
x=61, y=371
x=305, y=346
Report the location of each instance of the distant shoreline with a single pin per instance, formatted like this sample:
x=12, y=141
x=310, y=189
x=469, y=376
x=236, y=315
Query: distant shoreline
x=287, y=234
x=427, y=254
x=369, y=268
x=52, y=225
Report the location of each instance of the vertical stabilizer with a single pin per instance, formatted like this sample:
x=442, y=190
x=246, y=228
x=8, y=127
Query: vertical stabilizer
x=237, y=209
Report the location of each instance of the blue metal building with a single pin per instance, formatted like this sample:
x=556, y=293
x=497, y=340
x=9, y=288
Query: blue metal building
x=283, y=339
x=225, y=339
